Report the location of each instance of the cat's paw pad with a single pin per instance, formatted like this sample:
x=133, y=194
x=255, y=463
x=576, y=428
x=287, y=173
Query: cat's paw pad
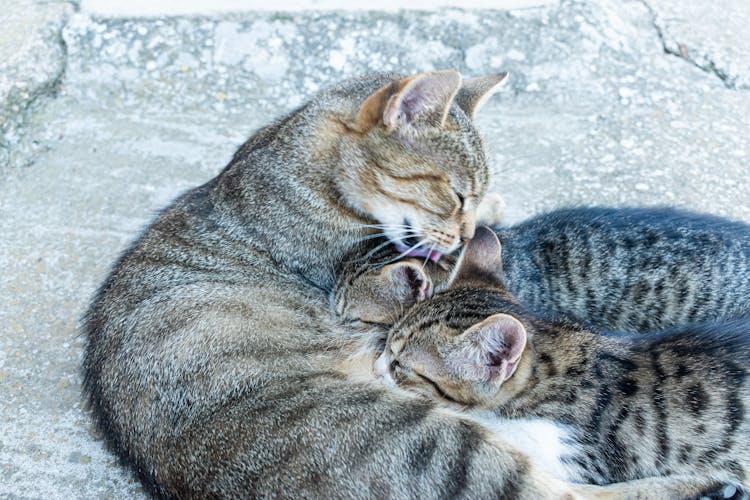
x=726, y=491
x=490, y=210
x=410, y=282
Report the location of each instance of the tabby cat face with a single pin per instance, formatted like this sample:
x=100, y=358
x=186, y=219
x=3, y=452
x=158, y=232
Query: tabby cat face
x=418, y=165
x=465, y=345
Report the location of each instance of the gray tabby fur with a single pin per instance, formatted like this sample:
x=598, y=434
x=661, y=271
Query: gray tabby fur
x=214, y=367
x=629, y=269
x=640, y=406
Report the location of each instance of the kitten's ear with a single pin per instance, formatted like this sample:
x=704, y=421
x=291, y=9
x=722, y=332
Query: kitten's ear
x=494, y=346
x=481, y=261
x=419, y=100
x=474, y=92
x=410, y=280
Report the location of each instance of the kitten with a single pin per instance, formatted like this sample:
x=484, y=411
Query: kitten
x=629, y=269
x=672, y=403
x=212, y=363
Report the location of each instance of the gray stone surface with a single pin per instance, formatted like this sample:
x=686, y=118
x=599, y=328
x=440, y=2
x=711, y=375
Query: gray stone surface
x=712, y=35
x=596, y=112
x=32, y=60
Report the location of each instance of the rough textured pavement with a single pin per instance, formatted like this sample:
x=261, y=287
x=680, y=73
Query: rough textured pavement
x=597, y=112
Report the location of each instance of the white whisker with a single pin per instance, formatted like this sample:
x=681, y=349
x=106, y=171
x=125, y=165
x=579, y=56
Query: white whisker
x=389, y=226
x=427, y=257
x=374, y=250
x=399, y=234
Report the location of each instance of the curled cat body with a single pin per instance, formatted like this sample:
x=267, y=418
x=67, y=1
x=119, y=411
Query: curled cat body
x=629, y=269
x=212, y=363
x=627, y=406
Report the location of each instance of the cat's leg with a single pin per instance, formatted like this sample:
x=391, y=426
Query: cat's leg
x=677, y=487
x=490, y=210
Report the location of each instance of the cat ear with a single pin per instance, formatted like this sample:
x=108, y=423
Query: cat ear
x=494, y=347
x=422, y=99
x=371, y=111
x=481, y=260
x=474, y=92
x=410, y=279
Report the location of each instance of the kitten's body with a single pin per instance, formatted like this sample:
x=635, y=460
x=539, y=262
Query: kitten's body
x=668, y=403
x=212, y=364
x=634, y=406
x=629, y=269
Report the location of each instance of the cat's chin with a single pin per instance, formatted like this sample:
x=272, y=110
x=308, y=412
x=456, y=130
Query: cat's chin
x=432, y=254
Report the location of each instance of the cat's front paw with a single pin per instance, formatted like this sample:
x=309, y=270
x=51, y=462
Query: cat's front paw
x=725, y=491
x=490, y=210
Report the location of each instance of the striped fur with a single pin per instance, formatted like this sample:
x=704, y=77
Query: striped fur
x=212, y=364
x=629, y=269
x=670, y=403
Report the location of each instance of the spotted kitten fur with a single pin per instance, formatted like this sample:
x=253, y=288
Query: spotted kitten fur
x=629, y=269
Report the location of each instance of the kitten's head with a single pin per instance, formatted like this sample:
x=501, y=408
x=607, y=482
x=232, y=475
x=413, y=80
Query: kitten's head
x=415, y=162
x=381, y=294
x=467, y=344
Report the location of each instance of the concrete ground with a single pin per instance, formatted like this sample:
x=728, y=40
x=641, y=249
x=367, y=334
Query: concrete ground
x=105, y=119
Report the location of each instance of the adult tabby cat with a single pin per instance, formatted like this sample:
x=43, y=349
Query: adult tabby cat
x=628, y=406
x=629, y=269
x=212, y=363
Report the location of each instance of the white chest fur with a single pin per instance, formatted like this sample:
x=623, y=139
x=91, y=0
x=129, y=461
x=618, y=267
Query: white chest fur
x=545, y=442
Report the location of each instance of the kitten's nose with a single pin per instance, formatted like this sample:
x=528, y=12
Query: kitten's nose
x=382, y=370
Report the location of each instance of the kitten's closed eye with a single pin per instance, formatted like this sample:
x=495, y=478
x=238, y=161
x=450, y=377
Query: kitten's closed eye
x=408, y=377
x=439, y=391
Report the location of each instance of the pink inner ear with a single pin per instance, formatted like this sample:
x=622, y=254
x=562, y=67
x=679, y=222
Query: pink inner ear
x=502, y=340
x=496, y=359
x=415, y=279
x=410, y=105
x=491, y=350
x=427, y=96
x=514, y=340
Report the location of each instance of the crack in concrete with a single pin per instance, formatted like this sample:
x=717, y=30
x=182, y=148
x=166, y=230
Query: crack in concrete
x=47, y=89
x=681, y=52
